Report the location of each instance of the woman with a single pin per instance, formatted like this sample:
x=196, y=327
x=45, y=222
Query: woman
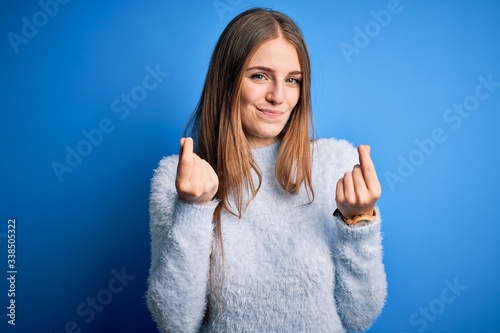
x=243, y=235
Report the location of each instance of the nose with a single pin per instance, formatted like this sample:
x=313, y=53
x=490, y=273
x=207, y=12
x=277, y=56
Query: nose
x=276, y=93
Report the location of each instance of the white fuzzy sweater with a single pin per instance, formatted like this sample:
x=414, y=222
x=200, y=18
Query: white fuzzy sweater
x=289, y=267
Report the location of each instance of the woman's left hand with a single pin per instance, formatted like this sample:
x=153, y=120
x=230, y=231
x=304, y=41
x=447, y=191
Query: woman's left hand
x=359, y=189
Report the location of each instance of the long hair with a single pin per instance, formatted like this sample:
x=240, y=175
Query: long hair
x=216, y=125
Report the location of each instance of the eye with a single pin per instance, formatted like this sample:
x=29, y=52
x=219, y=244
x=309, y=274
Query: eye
x=293, y=80
x=258, y=77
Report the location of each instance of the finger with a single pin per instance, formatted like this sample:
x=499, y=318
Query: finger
x=185, y=165
x=339, y=193
x=358, y=181
x=368, y=168
x=210, y=183
x=181, y=149
x=196, y=178
x=364, y=156
x=349, y=193
x=187, y=147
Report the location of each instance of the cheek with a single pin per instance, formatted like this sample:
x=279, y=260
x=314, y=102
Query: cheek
x=245, y=100
x=251, y=93
x=293, y=98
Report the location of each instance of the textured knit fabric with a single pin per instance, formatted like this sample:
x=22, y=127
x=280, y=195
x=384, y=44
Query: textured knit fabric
x=289, y=265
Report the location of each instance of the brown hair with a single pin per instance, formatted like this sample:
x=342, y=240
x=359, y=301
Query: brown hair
x=216, y=123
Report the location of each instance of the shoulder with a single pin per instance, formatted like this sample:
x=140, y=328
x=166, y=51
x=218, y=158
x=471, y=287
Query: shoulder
x=336, y=153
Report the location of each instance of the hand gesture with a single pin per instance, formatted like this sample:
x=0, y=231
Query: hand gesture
x=359, y=189
x=196, y=180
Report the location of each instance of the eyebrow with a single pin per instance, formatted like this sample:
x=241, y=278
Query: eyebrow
x=267, y=69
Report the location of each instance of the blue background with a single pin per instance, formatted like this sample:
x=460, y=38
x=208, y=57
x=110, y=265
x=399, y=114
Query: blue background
x=440, y=214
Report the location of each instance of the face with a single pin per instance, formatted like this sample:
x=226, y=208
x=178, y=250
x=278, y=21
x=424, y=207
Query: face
x=269, y=92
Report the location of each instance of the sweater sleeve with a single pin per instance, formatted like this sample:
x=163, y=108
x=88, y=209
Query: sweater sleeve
x=360, y=281
x=181, y=240
x=360, y=286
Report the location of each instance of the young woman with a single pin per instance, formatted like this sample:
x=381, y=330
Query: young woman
x=255, y=227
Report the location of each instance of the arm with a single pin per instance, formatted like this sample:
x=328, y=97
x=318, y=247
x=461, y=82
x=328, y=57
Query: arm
x=181, y=235
x=360, y=286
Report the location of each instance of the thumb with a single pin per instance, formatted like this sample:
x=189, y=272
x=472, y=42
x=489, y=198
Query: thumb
x=185, y=164
x=181, y=147
x=364, y=157
x=186, y=147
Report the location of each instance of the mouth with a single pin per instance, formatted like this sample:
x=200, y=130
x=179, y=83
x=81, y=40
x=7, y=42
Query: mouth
x=271, y=113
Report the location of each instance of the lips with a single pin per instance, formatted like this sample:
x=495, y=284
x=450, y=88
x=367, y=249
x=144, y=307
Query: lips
x=271, y=113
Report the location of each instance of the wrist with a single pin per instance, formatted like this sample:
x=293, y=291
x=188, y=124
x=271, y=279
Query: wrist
x=356, y=219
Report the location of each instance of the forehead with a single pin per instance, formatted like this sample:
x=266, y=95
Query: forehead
x=277, y=54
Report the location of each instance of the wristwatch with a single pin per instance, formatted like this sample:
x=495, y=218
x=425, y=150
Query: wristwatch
x=358, y=220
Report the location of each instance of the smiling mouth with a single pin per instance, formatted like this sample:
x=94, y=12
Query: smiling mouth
x=271, y=113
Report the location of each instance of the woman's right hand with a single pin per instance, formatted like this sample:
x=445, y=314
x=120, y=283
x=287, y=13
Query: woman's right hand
x=196, y=180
